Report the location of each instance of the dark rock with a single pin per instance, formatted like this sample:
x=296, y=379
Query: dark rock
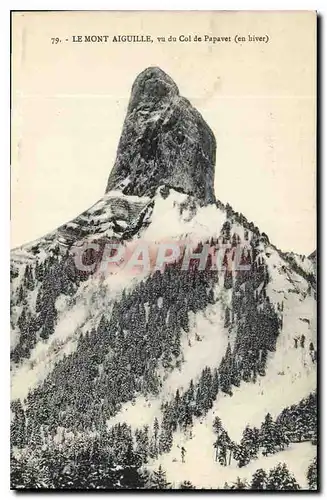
x=164, y=140
x=313, y=256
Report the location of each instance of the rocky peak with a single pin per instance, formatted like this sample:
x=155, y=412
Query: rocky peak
x=164, y=140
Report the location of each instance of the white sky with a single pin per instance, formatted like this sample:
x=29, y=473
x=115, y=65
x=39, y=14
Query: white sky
x=69, y=103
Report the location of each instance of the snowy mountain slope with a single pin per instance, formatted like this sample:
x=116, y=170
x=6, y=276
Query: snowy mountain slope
x=136, y=361
x=108, y=217
x=204, y=223
x=307, y=265
x=290, y=375
x=206, y=341
x=204, y=344
x=79, y=309
x=203, y=472
x=303, y=261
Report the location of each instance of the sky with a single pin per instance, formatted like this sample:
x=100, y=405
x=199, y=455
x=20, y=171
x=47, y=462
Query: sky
x=70, y=100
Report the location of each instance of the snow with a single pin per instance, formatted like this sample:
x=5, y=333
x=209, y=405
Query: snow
x=201, y=469
x=168, y=223
x=111, y=196
x=130, y=198
x=21, y=256
x=142, y=411
x=75, y=318
x=207, y=325
x=270, y=394
x=45, y=354
x=207, y=351
x=290, y=373
x=122, y=223
x=303, y=262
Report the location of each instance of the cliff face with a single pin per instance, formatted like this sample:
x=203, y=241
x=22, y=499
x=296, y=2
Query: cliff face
x=164, y=140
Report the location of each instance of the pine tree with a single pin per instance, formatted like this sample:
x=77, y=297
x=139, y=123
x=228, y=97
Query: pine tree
x=153, y=448
x=259, y=480
x=39, y=300
x=166, y=435
x=155, y=429
x=28, y=278
x=224, y=445
x=22, y=322
x=190, y=392
x=21, y=295
x=49, y=321
x=215, y=384
x=18, y=425
x=39, y=271
x=248, y=448
x=225, y=371
x=312, y=475
x=267, y=435
x=188, y=420
x=205, y=386
x=281, y=439
x=142, y=443
x=280, y=478
x=217, y=425
x=158, y=480
x=227, y=318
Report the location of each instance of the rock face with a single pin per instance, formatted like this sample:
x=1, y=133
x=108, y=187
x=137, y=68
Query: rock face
x=164, y=140
x=313, y=256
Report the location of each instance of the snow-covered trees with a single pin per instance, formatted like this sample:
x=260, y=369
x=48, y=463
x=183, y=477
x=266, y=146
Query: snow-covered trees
x=157, y=480
x=166, y=435
x=223, y=445
x=312, y=476
x=299, y=422
x=280, y=478
x=267, y=435
x=18, y=435
x=142, y=443
x=48, y=279
x=29, y=282
x=122, y=356
x=277, y=478
x=249, y=446
x=87, y=462
x=226, y=369
x=217, y=425
x=127, y=346
x=259, y=480
x=276, y=435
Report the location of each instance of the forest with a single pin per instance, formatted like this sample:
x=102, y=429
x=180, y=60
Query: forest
x=59, y=433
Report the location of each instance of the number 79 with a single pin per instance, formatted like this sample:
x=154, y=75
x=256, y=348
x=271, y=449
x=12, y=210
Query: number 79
x=55, y=40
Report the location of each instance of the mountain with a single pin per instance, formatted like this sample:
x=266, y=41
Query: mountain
x=313, y=258
x=306, y=266
x=164, y=141
x=127, y=374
